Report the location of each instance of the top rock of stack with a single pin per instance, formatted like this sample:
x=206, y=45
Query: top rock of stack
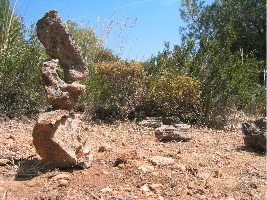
x=60, y=44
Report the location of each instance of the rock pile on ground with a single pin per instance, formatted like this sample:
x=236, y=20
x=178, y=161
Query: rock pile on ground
x=57, y=134
x=178, y=132
x=255, y=134
x=169, y=128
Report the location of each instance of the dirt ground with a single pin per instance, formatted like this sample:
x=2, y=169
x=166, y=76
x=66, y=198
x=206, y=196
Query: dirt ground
x=213, y=165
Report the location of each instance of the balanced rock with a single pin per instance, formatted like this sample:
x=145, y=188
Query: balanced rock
x=59, y=94
x=179, y=132
x=255, y=134
x=57, y=139
x=56, y=135
x=60, y=44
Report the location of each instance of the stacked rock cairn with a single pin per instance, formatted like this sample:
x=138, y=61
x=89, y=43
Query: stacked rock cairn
x=57, y=135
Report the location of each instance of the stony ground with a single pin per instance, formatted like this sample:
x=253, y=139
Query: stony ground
x=213, y=165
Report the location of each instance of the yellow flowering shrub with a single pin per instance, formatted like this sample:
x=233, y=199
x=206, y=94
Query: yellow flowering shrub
x=121, y=86
x=176, y=95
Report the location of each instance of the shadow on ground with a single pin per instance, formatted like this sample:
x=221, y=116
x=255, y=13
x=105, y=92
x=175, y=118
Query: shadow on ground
x=29, y=168
x=259, y=152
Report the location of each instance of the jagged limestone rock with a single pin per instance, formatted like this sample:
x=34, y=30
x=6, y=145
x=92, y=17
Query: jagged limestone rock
x=60, y=44
x=179, y=132
x=255, y=134
x=57, y=134
x=59, y=94
x=55, y=137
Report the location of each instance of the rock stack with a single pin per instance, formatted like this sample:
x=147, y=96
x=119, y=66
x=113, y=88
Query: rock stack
x=57, y=133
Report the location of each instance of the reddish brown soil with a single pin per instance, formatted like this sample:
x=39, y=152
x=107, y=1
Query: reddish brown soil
x=213, y=165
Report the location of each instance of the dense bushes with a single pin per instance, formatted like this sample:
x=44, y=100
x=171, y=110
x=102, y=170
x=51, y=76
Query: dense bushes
x=115, y=88
x=204, y=79
x=20, y=83
x=223, y=58
x=21, y=87
x=122, y=89
x=176, y=95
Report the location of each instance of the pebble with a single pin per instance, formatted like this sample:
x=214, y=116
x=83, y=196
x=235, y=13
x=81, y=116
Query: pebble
x=204, y=175
x=106, y=189
x=218, y=173
x=145, y=188
x=155, y=186
x=102, y=149
x=63, y=182
x=146, y=168
x=161, y=161
x=31, y=183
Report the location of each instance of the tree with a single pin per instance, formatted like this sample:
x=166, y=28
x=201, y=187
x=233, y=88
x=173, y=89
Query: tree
x=245, y=17
x=227, y=52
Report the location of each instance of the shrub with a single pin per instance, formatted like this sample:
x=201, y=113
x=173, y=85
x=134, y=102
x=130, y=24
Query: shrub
x=114, y=88
x=21, y=90
x=177, y=95
x=228, y=82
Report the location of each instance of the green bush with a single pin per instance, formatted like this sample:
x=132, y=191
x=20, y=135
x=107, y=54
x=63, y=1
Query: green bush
x=21, y=91
x=228, y=81
x=176, y=95
x=114, y=88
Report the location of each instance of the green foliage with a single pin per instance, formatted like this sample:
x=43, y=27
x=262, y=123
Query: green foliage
x=245, y=18
x=169, y=60
x=227, y=80
x=20, y=85
x=220, y=55
x=10, y=28
x=176, y=95
x=214, y=71
x=227, y=54
x=114, y=88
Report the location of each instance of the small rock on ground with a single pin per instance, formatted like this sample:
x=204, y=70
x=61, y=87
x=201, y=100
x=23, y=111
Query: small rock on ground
x=161, y=161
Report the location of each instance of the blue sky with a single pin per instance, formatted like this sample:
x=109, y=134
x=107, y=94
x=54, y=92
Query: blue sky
x=157, y=21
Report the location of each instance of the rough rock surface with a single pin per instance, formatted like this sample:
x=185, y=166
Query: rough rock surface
x=161, y=161
x=56, y=135
x=171, y=120
x=255, y=134
x=59, y=94
x=60, y=44
x=57, y=139
x=152, y=123
x=180, y=132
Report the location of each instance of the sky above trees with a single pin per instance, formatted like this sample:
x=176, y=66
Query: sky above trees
x=158, y=21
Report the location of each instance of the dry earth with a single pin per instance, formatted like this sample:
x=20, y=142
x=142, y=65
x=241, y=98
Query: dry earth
x=213, y=165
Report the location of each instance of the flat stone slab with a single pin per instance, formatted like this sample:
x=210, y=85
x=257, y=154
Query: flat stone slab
x=179, y=132
x=152, y=123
